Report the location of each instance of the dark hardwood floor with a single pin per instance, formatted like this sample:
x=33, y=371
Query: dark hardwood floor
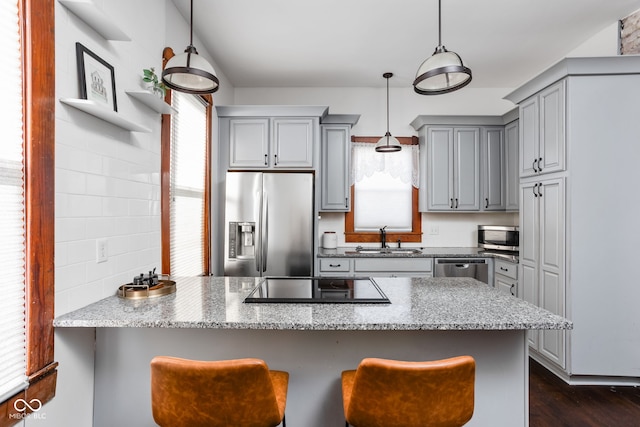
x=554, y=403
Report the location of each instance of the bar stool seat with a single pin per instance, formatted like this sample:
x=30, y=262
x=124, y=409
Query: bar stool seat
x=393, y=393
x=238, y=392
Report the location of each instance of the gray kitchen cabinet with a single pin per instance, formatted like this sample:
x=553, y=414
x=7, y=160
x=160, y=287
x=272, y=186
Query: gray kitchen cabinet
x=377, y=267
x=271, y=142
x=393, y=267
x=542, y=132
x=453, y=169
x=292, y=142
x=335, y=267
x=493, y=169
x=505, y=276
x=542, y=259
x=249, y=142
x=512, y=174
x=335, y=167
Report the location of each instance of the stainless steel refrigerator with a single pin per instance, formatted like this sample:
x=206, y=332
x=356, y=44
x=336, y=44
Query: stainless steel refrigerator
x=269, y=224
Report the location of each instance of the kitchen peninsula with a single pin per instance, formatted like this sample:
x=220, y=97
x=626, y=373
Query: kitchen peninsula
x=206, y=318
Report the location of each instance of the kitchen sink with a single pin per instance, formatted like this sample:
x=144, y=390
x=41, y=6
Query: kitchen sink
x=363, y=250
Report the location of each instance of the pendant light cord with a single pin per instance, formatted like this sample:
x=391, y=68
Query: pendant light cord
x=439, y=22
x=387, y=105
x=191, y=26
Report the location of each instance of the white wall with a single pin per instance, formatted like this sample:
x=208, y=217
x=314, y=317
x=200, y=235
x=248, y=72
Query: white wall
x=107, y=183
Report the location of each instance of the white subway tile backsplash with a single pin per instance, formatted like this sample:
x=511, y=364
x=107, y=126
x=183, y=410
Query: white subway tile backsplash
x=81, y=251
x=69, y=229
x=139, y=208
x=70, y=182
x=70, y=276
x=113, y=206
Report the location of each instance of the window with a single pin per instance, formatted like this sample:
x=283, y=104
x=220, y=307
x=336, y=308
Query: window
x=185, y=187
x=384, y=192
x=32, y=109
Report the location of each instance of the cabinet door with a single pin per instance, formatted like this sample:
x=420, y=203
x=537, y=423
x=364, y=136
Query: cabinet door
x=467, y=169
x=529, y=250
x=248, y=143
x=440, y=169
x=292, y=143
x=552, y=228
x=506, y=285
x=529, y=136
x=335, y=164
x=493, y=170
x=512, y=174
x=551, y=156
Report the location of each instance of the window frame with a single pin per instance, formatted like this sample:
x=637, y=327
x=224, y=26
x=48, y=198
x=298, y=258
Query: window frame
x=37, y=27
x=165, y=181
x=413, y=236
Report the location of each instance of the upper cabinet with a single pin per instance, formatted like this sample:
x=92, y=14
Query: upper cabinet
x=335, y=165
x=271, y=143
x=542, y=132
x=512, y=173
x=493, y=169
x=464, y=163
x=270, y=137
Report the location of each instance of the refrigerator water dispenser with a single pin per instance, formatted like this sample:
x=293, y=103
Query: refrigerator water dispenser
x=242, y=242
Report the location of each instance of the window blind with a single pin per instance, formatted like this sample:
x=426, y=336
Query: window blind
x=187, y=185
x=12, y=231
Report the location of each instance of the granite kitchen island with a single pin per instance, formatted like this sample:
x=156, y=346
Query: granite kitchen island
x=207, y=319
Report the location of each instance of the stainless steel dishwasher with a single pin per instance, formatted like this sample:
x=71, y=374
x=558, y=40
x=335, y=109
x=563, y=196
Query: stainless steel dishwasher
x=478, y=268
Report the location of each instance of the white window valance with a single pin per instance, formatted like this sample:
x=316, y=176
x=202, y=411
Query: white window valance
x=366, y=161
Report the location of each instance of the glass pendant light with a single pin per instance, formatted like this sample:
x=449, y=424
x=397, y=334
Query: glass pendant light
x=388, y=144
x=189, y=72
x=442, y=72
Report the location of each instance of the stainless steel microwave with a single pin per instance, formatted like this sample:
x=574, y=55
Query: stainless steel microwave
x=499, y=237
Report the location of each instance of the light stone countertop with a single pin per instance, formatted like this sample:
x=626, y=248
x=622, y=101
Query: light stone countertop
x=416, y=304
x=350, y=252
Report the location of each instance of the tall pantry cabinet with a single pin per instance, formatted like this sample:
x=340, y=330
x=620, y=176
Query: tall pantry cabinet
x=579, y=158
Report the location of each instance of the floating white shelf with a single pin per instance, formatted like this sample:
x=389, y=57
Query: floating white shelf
x=95, y=18
x=151, y=101
x=103, y=113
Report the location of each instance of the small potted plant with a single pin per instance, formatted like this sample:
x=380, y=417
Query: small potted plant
x=156, y=86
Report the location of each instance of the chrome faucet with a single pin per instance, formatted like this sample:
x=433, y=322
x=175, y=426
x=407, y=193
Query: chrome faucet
x=383, y=237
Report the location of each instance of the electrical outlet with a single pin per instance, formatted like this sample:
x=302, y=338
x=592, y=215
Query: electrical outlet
x=434, y=230
x=101, y=250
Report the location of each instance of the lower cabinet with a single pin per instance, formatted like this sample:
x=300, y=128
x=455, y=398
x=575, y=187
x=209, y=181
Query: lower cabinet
x=377, y=267
x=505, y=276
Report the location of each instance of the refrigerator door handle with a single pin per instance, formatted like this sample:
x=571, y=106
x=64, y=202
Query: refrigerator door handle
x=265, y=230
x=258, y=250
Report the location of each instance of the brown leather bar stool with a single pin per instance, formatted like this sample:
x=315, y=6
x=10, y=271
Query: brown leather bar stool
x=393, y=393
x=240, y=392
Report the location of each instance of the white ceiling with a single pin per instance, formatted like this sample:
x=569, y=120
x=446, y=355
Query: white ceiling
x=351, y=43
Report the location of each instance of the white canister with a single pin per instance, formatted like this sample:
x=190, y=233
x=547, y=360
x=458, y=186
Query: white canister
x=329, y=240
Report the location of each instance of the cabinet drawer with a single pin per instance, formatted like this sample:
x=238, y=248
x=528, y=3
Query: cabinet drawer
x=393, y=264
x=505, y=268
x=335, y=264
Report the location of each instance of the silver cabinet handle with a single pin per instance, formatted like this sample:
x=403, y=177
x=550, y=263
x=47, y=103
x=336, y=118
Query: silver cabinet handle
x=335, y=265
x=456, y=203
x=266, y=159
x=275, y=156
x=486, y=202
x=540, y=188
x=451, y=203
x=504, y=269
x=534, y=165
x=346, y=202
x=539, y=163
x=513, y=285
x=535, y=187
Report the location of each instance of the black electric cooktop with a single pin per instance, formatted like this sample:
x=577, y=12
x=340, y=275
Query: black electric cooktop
x=363, y=290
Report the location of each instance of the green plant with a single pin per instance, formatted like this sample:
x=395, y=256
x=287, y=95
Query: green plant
x=150, y=76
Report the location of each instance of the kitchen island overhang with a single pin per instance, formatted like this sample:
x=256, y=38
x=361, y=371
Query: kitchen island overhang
x=207, y=319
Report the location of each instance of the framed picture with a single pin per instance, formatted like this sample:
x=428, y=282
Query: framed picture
x=96, y=78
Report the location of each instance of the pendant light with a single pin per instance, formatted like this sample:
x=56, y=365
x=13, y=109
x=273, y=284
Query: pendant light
x=189, y=72
x=388, y=144
x=443, y=71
